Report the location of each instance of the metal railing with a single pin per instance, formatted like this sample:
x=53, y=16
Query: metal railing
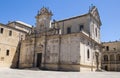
x=111, y=50
x=111, y=62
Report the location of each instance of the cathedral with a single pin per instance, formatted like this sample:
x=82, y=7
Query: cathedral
x=71, y=44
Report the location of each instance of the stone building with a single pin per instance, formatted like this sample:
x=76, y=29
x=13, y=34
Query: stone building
x=68, y=44
x=111, y=56
x=10, y=36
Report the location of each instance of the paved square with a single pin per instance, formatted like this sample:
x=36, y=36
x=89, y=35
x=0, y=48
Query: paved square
x=15, y=73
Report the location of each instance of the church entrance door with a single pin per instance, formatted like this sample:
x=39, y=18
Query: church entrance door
x=39, y=59
x=106, y=68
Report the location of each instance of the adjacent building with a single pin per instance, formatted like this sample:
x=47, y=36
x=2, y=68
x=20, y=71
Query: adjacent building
x=10, y=38
x=111, y=56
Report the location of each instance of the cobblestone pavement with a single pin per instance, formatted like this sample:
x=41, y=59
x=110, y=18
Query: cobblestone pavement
x=15, y=73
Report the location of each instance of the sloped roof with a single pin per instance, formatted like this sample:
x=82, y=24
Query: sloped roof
x=24, y=23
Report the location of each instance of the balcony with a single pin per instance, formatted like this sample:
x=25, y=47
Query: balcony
x=111, y=50
x=111, y=62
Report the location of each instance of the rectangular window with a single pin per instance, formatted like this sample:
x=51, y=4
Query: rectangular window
x=1, y=30
x=81, y=27
x=7, y=52
x=107, y=48
x=68, y=30
x=10, y=33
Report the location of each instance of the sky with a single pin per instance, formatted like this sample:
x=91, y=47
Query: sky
x=26, y=10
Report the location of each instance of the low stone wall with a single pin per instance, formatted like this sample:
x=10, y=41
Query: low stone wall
x=68, y=67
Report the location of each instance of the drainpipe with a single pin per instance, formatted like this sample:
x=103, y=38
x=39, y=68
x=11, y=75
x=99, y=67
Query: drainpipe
x=59, y=51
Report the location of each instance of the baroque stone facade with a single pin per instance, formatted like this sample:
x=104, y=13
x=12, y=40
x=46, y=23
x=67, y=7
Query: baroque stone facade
x=68, y=44
x=111, y=56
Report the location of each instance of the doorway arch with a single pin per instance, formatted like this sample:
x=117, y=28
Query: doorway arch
x=106, y=68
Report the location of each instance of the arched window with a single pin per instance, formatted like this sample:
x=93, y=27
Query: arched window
x=105, y=58
x=112, y=58
x=88, y=54
x=118, y=57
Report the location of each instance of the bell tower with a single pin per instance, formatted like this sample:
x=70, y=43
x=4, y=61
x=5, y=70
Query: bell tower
x=43, y=19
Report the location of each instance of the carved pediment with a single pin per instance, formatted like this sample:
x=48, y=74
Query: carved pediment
x=95, y=14
x=44, y=11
